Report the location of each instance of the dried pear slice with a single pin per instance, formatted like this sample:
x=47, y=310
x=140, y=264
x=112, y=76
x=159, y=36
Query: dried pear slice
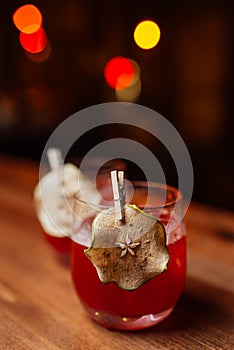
x=129, y=253
x=52, y=198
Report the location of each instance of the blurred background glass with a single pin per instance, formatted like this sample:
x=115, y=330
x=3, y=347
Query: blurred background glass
x=187, y=77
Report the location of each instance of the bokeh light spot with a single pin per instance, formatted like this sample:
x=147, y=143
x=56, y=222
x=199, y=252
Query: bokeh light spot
x=119, y=72
x=27, y=18
x=34, y=42
x=133, y=91
x=147, y=34
x=40, y=56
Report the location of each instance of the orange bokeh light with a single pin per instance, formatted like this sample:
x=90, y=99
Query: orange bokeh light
x=27, y=18
x=119, y=72
x=34, y=42
x=133, y=91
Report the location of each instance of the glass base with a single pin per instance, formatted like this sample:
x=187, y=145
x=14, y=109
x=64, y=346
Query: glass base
x=127, y=323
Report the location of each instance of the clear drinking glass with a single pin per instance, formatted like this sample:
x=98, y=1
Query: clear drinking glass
x=108, y=304
x=96, y=169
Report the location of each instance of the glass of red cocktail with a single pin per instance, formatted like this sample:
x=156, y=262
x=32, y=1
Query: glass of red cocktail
x=52, y=197
x=152, y=301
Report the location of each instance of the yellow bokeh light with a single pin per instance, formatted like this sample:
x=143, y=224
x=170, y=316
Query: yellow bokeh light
x=147, y=34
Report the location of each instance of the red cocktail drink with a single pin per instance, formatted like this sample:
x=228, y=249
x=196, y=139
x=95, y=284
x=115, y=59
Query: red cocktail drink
x=115, y=307
x=60, y=244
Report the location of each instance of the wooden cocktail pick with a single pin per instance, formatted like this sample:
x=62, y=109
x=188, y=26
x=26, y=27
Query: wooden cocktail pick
x=117, y=179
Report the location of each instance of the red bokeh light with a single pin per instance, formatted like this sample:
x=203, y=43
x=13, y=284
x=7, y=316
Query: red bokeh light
x=119, y=72
x=34, y=42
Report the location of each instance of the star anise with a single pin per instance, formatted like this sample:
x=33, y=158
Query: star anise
x=127, y=246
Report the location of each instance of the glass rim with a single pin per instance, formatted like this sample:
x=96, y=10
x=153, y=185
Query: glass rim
x=177, y=195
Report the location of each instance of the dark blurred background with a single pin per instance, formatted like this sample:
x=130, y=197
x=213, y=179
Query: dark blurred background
x=188, y=78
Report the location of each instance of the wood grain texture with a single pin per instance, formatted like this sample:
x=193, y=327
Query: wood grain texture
x=40, y=310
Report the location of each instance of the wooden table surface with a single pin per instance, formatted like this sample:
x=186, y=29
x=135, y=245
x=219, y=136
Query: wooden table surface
x=39, y=308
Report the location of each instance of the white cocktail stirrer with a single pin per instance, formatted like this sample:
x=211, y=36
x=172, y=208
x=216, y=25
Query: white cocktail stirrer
x=55, y=158
x=55, y=161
